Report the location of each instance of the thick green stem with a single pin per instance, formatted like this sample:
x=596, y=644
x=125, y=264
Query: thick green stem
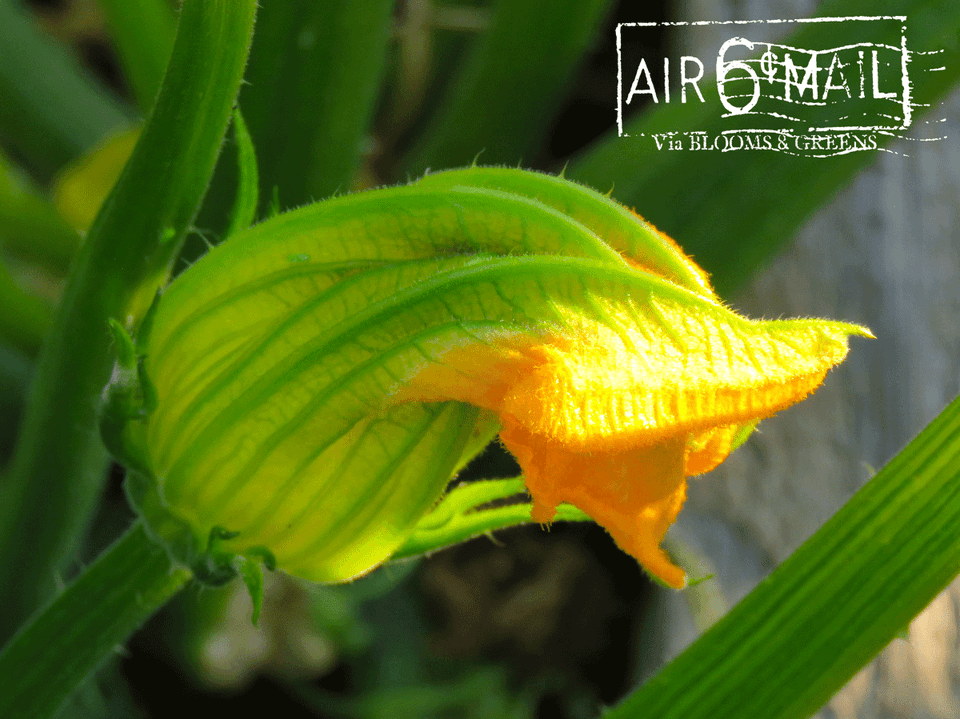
x=68, y=639
x=58, y=470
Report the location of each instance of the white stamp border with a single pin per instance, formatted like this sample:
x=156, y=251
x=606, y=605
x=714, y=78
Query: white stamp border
x=904, y=59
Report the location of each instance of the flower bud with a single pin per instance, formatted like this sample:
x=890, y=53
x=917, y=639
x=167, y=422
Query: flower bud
x=316, y=380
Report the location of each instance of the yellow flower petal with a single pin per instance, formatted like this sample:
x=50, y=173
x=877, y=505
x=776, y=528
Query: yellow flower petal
x=284, y=366
x=635, y=494
x=611, y=417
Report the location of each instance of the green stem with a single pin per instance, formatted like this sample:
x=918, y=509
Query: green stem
x=58, y=470
x=71, y=636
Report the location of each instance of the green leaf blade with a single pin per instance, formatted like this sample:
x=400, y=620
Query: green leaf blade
x=496, y=109
x=30, y=227
x=312, y=84
x=51, y=111
x=24, y=317
x=834, y=604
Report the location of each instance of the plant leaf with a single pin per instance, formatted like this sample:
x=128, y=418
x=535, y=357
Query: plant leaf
x=494, y=108
x=142, y=32
x=50, y=110
x=799, y=636
x=312, y=83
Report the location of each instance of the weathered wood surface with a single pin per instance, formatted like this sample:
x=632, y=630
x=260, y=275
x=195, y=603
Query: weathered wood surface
x=885, y=253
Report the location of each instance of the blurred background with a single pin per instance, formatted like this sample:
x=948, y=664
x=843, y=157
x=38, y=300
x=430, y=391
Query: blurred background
x=554, y=624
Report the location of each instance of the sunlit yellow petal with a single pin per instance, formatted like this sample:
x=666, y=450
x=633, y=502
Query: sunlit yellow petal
x=315, y=380
x=611, y=417
x=635, y=494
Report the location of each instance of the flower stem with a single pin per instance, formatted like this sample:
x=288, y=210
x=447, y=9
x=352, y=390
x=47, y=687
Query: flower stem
x=58, y=469
x=59, y=647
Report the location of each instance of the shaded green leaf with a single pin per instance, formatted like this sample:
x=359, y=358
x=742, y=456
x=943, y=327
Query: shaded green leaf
x=312, y=82
x=51, y=111
x=511, y=85
x=24, y=316
x=142, y=32
x=30, y=227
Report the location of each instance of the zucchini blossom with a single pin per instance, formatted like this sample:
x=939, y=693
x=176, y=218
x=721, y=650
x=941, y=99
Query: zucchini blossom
x=308, y=388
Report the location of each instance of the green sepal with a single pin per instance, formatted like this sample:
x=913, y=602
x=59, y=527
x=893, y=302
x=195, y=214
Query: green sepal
x=251, y=571
x=211, y=563
x=146, y=324
x=743, y=434
x=130, y=395
x=460, y=516
x=245, y=206
x=467, y=497
x=264, y=555
x=216, y=566
x=123, y=398
x=126, y=351
x=219, y=535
